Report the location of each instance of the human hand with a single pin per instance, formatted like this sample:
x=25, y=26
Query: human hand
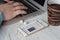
x=12, y=9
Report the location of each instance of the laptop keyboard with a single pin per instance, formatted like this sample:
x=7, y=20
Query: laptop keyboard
x=30, y=8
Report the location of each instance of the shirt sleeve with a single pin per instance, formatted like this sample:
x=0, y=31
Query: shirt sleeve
x=1, y=17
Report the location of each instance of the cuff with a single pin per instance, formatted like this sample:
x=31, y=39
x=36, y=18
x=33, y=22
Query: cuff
x=1, y=17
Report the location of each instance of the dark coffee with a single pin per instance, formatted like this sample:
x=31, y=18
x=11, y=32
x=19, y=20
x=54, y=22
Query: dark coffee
x=54, y=14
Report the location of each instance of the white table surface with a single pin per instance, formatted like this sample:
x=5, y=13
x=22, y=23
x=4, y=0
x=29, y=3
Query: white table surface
x=9, y=32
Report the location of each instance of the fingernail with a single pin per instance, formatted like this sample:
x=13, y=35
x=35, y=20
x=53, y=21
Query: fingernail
x=24, y=12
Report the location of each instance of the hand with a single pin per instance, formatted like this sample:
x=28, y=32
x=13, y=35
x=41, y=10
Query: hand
x=12, y=9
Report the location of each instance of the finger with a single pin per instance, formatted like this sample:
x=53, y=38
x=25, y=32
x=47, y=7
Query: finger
x=19, y=12
x=19, y=8
x=7, y=0
x=17, y=4
x=11, y=2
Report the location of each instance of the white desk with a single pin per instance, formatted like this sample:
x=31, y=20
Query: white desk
x=9, y=32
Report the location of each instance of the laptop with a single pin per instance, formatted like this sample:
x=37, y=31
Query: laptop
x=33, y=6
